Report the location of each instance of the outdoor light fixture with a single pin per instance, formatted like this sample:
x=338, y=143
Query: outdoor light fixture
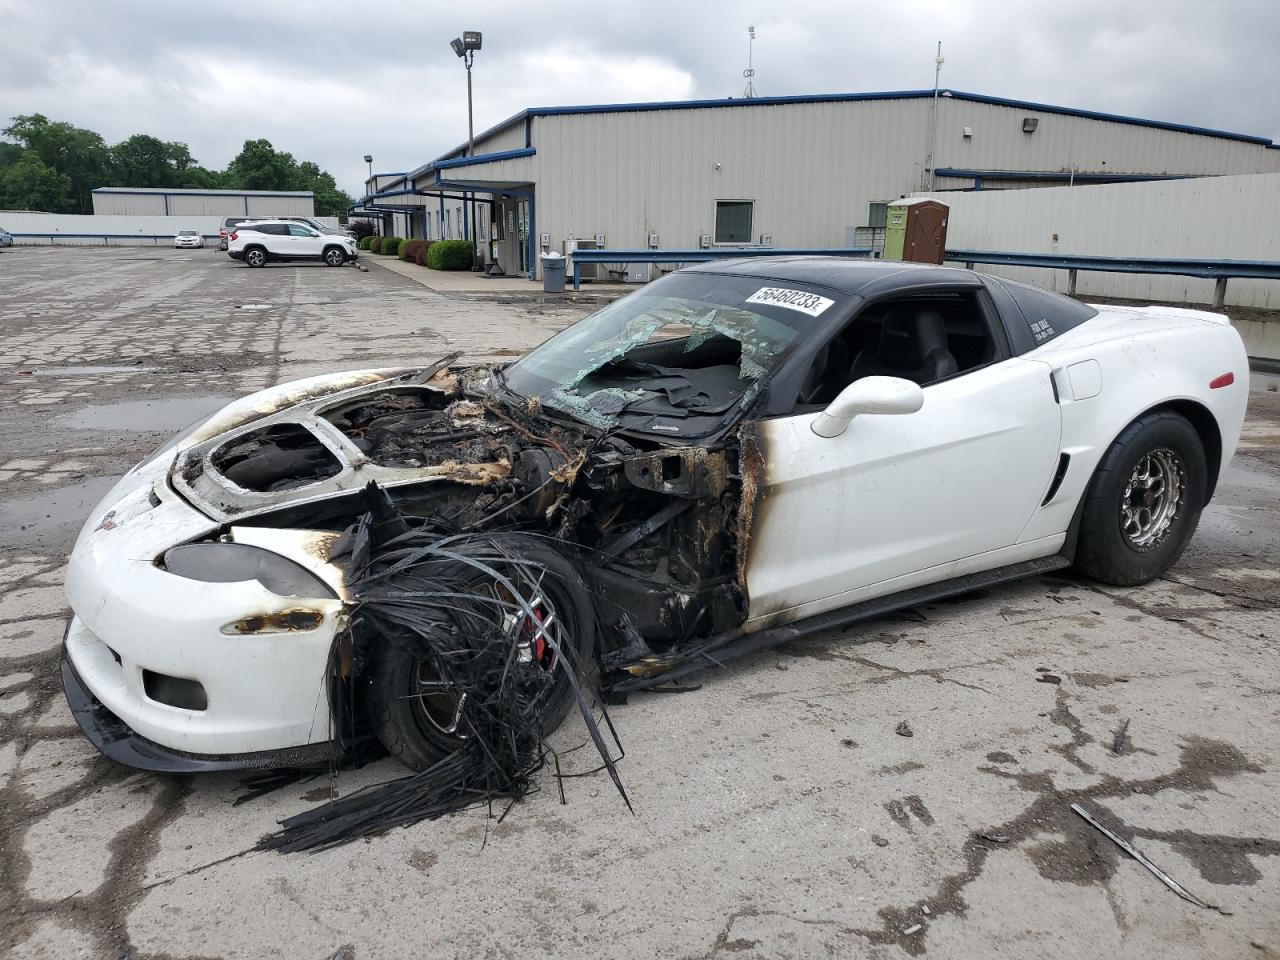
x=469, y=42
x=368, y=158
x=1029, y=124
x=465, y=47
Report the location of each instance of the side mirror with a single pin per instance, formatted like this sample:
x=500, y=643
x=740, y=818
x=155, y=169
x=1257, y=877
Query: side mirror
x=868, y=395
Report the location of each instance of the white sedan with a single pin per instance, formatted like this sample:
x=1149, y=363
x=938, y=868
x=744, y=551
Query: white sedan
x=188, y=239
x=734, y=455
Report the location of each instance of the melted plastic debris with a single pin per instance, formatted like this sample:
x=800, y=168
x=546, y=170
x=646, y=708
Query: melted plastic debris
x=470, y=609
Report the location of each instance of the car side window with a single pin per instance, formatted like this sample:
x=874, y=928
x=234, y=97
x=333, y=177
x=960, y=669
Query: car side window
x=1047, y=314
x=298, y=230
x=923, y=338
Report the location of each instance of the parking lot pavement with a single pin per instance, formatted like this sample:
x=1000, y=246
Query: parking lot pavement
x=778, y=813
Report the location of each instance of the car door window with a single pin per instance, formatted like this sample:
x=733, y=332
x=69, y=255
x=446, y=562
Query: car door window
x=925, y=338
x=297, y=230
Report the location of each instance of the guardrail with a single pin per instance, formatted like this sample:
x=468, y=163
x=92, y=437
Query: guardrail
x=106, y=238
x=1219, y=270
x=580, y=257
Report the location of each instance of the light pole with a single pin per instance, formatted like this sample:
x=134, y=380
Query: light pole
x=466, y=47
x=933, y=120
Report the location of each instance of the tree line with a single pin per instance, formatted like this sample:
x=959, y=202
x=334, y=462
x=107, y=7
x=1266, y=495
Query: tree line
x=54, y=166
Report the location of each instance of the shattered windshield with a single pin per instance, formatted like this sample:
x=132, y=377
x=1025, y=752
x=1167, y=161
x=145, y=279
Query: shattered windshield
x=677, y=357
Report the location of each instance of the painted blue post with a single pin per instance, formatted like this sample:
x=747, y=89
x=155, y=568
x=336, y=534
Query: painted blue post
x=440, y=225
x=466, y=229
x=533, y=238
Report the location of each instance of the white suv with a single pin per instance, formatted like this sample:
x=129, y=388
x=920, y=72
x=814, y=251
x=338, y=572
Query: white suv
x=264, y=240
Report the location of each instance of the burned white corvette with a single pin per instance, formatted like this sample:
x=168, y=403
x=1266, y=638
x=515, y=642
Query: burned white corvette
x=727, y=458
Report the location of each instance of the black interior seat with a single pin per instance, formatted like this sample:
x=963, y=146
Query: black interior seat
x=913, y=345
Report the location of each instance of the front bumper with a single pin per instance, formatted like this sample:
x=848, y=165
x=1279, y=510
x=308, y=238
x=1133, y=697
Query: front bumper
x=265, y=685
x=116, y=741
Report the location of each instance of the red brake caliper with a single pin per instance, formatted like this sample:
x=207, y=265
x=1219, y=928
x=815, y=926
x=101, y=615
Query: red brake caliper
x=527, y=630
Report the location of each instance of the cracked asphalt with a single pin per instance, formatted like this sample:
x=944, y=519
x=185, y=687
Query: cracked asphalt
x=778, y=813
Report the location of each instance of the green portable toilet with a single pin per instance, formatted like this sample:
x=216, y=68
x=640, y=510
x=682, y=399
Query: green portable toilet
x=916, y=230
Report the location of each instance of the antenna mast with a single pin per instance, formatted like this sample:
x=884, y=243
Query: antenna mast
x=750, y=71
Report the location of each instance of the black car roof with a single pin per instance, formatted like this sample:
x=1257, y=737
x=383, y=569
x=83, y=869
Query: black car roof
x=866, y=278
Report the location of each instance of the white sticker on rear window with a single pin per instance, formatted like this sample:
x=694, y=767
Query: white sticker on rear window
x=809, y=303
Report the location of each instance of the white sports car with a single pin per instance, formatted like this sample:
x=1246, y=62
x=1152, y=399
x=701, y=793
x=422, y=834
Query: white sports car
x=727, y=458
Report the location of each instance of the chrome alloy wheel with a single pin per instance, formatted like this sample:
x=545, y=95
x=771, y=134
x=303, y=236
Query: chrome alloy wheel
x=1152, y=498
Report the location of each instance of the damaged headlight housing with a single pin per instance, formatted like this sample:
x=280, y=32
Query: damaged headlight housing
x=221, y=562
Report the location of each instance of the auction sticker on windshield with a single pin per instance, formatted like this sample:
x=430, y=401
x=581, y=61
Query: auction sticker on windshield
x=809, y=303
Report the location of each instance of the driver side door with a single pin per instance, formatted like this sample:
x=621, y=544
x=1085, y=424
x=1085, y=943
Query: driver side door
x=902, y=500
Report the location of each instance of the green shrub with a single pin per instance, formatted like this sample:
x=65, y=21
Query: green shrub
x=390, y=246
x=413, y=251
x=375, y=244
x=364, y=242
x=451, y=255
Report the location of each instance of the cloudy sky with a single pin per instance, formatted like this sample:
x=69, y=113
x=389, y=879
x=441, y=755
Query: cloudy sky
x=331, y=82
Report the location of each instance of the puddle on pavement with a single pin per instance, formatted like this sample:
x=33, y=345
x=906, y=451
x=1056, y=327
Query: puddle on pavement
x=169, y=414
x=49, y=520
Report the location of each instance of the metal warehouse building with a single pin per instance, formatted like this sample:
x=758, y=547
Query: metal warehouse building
x=162, y=202
x=802, y=171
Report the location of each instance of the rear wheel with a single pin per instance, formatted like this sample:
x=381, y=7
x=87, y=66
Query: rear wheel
x=1144, y=501
x=334, y=257
x=255, y=257
x=421, y=715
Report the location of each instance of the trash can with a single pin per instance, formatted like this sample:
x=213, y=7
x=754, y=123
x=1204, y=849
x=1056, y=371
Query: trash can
x=553, y=273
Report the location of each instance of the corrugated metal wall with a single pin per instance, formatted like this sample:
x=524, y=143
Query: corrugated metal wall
x=1211, y=218
x=1102, y=146
x=96, y=230
x=202, y=205
x=812, y=168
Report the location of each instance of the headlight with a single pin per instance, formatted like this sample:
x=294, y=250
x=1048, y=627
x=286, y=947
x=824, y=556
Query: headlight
x=238, y=562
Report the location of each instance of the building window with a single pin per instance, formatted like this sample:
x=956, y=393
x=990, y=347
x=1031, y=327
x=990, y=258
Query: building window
x=733, y=221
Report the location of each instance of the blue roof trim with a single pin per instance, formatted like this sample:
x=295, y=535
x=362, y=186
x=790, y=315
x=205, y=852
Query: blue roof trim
x=854, y=97
x=390, y=173
x=1080, y=175
x=484, y=158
